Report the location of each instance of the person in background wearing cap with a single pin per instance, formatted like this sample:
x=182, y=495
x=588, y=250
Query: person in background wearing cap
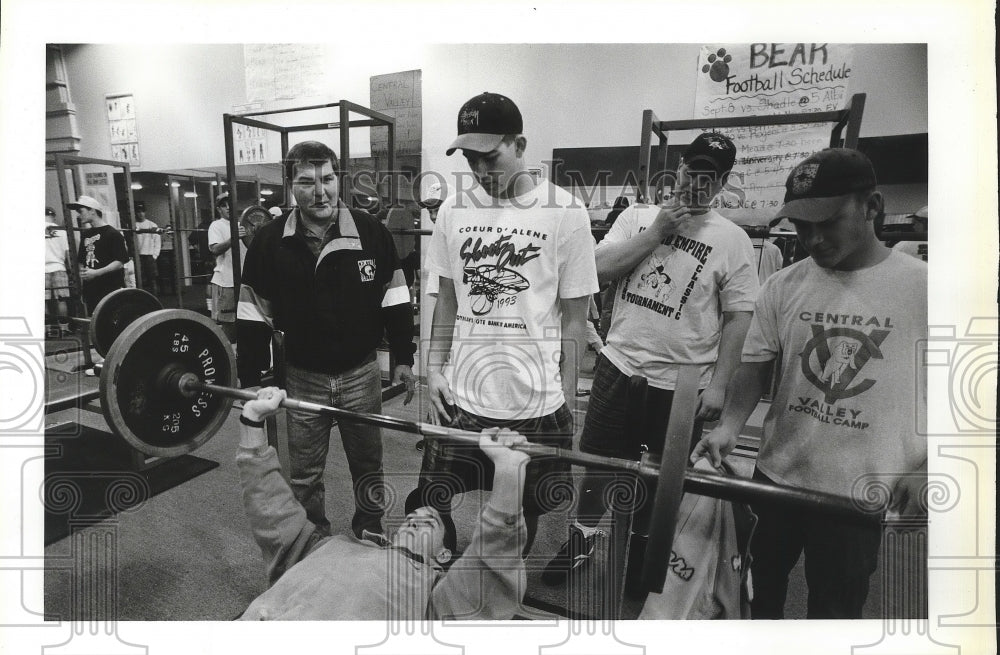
x=431, y=200
x=845, y=324
x=220, y=244
x=102, y=252
x=685, y=285
x=56, y=278
x=916, y=249
x=516, y=266
x=149, y=247
x=330, y=279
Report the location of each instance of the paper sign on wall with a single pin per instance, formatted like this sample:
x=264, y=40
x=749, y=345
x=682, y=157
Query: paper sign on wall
x=399, y=96
x=759, y=79
x=755, y=79
x=249, y=144
x=122, y=128
x=276, y=71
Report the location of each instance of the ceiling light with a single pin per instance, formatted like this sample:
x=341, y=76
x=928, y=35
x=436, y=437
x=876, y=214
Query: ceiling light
x=136, y=186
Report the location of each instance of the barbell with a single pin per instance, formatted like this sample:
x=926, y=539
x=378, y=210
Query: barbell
x=166, y=388
x=50, y=231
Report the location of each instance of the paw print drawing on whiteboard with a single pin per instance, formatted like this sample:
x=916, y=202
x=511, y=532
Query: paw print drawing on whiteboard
x=718, y=65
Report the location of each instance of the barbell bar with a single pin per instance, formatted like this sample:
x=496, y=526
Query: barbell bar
x=145, y=230
x=166, y=389
x=167, y=386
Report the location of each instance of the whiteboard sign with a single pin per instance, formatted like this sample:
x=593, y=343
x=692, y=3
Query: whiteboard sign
x=762, y=79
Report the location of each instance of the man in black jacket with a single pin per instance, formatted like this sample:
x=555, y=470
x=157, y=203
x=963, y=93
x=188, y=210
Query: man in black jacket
x=330, y=278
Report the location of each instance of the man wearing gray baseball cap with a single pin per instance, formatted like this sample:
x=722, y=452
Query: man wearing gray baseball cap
x=845, y=324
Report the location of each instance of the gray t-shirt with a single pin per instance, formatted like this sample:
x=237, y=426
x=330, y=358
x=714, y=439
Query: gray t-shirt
x=851, y=394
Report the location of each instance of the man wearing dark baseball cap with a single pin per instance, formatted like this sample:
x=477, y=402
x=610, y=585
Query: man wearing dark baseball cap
x=490, y=137
x=684, y=281
x=483, y=122
x=515, y=261
x=710, y=154
x=823, y=194
x=845, y=324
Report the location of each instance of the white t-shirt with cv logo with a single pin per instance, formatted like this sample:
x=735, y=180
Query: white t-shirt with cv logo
x=851, y=395
x=511, y=261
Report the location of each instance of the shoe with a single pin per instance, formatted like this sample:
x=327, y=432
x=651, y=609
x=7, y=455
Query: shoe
x=573, y=555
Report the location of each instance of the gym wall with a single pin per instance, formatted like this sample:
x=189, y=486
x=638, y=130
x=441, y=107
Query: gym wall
x=571, y=95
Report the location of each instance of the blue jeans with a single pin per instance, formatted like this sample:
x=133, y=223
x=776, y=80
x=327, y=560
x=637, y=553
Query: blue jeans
x=360, y=390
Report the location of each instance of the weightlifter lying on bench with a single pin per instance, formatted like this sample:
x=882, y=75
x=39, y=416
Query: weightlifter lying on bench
x=341, y=577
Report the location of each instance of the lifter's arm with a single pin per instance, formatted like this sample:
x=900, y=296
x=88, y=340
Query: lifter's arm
x=277, y=519
x=489, y=580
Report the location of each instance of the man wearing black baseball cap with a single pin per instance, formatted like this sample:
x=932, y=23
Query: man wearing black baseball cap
x=684, y=286
x=516, y=265
x=845, y=324
x=489, y=136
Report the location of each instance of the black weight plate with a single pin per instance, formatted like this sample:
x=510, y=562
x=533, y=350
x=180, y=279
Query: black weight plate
x=252, y=218
x=115, y=312
x=139, y=403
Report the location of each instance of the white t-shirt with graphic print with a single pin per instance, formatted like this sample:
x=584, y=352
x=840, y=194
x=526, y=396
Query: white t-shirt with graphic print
x=511, y=261
x=218, y=232
x=851, y=394
x=668, y=310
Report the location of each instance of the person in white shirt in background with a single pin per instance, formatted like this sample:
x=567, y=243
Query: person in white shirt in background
x=219, y=242
x=56, y=276
x=149, y=248
x=684, y=281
